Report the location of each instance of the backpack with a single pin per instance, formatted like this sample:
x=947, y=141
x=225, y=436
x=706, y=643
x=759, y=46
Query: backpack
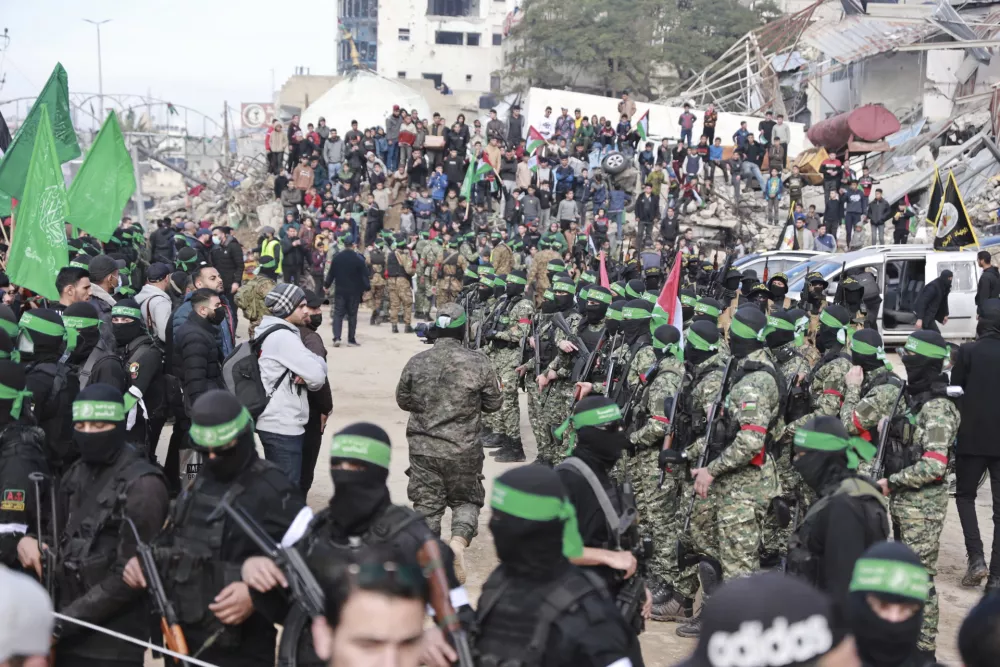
x=241, y=373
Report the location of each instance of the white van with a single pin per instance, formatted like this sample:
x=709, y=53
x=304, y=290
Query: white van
x=901, y=271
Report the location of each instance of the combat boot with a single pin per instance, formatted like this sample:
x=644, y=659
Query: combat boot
x=491, y=440
x=395, y=328
x=976, y=572
x=710, y=575
x=458, y=545
x=675, y=608
x=408, y=329
x=511, y=454
x=992, y=585
x=374, y=320
x=659, y=591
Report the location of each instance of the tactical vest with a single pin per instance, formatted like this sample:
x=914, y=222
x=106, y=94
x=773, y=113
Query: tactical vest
x=98, y=355
x=725, y=432
x=57, y=408
x=377, y=259
x=513, y=630
x=902, y=452
x=801, y=561
x=395, y=269
x=90, y=539
x=192, y=572
x=620, y=513
x=877, y=379
x=623, y=390
x=449, y=266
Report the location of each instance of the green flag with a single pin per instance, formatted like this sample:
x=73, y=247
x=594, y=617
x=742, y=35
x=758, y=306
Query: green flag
x=5, y=205
x=104, y=184
x=476, y=172
x=38, y=249
x=14, y=166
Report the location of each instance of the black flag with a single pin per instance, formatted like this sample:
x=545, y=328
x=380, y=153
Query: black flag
x=954, y=229
x=937, y=192
x=5, y=138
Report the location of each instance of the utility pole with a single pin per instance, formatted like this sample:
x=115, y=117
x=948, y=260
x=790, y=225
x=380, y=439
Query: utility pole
x=225, y=134
x=100, y=69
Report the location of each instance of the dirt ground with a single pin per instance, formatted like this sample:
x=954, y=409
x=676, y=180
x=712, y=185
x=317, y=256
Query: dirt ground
x=364, y=381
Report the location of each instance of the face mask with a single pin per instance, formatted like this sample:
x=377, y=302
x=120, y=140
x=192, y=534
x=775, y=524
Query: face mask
x=564, y=301
x=87, y=340
x=742, y=347
x=216, y=240
x=613, y=327
x=778, y=291
x=531, y=549
x=315, y=321
x=126, y=333
x=696, y=356
x=599, y=447
x=687, y=312
x=595, y=312
x=485, y=293
x=826, y=338
x=218, y=315
x=633, y=329
x=881, y=642
x=357, y=497
x=229, y=463
x=100, y=448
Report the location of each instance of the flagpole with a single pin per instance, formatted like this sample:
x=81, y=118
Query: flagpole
x=100, y=68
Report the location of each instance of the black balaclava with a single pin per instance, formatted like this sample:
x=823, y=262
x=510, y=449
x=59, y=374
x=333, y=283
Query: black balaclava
x=703, y=344
x=499, y=286
x=732, y=281
x=613, y=318
x=923, y=356
x=832, y=333
x=126, y=333
x=222, y=427
x=745, y=331
x=564, y=291
x=854, y=293
x=88, y=332
x=599, y=446
x=707, y=309
x=747, y=280
x=534, y=548
x=99, y=403
x=7, y=349
x=635, y=319
x=42, y=346
x=866, y=350
x=759, y=295
x=891, y=572
x=516, y=282
x=635, y=288
x=359, y=495
x=944, y=280
x=666, y=342
x=485, y=289
x=554, y=267
x=8, y=322
x=15, y=400
x=688, y=299
x=778, y=286
x=780, y=329
x=989, y=319
x=820, y=468
x=597, y=303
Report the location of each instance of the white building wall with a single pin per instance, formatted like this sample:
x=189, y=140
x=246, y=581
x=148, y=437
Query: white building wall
x=939, y=90
x=462, y=68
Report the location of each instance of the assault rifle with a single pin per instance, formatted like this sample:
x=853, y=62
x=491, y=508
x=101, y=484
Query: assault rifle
x=714, y=411
x=632, y=596
x=488, y=321
x=718, y=288
x=430, y=561
x=609, y=365
x=668, y=440
x=878, y=464
x=645, y=379
x=173, y=635
x=303, y=585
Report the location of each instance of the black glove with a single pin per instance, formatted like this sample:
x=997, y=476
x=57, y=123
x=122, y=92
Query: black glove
x=670, y=458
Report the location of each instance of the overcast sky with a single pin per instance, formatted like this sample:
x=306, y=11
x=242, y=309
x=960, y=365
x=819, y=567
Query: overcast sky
x=196, y=53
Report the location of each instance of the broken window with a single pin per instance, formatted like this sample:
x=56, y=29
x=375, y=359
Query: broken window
x=472, y=38
x=497, y=39
x=447, y=37
x=400, y=75
x=436, y=78
x=452, y=7
x=404, y=34
x=468, y=78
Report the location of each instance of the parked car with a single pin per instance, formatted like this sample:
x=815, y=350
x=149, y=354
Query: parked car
x=777, y=261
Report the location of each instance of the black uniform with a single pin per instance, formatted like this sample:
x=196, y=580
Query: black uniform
x=22, y=452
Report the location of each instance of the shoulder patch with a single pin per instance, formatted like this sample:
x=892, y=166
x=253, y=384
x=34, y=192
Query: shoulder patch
x=748, y=405
x=12, y=500
x=133, y=369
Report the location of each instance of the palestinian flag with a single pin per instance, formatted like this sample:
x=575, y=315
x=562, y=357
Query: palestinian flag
x=171, y=109
x=642, y=127
x=937, y=193
x=476, y=172
x=535, y=141
x=533, y=163
x=668, y=305
x=954, y=229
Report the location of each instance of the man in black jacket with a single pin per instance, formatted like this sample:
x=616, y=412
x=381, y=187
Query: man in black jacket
x=161, y=243
x=976, y=369
x=932, y=302
x=227, y=257
x=349, y=272
x=878, y=212
x=989, y=281
x=294, y=253
x=647, y=212
x=198, y=359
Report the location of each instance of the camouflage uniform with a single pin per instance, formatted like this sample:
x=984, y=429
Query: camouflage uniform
x=449, y=276
x=445, y=389
x=401, y=291
x=538, y=275
x=919, y=497
x=426, y=255
x=468, y=252
x=502, y=259
x=826, y=390
x=250, y=299
x=657, y=507
x=375, y=259
x=512, y=327
x=560, y=392
x=866, y=404
x=745, y=478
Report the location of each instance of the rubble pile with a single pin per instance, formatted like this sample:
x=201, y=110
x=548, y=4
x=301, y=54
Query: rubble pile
x=237, y=202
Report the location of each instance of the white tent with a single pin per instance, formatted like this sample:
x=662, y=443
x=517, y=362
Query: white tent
x=365, y=97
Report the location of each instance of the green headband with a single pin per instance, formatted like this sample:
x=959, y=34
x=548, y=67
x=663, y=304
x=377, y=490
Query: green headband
x=588, y=277
x=688, y=300
x=874, y=575
x=451, y=323
x=534, y=507
x=79, y=265
x=617, y=289
x=648, y=296
x=606, y=414
x=780, y=324
x=9, y=327
x=482, y=268
x=925, y=349
x=829, y=320
x=486, y=279
x=635, y=314
x=269, y=264
x=867, y=350
x=469, y=273
x=857, y=449
x=18, y=396
x=554, y=268
x=672, y=348
x=98, y=411
x=801, y=327
x=737, y=328
x=125, y=311
x=499, y=282
x=613, y=314
x=599, y=296
x=74, y=322
x=699, y=343
x=362, y=448
x=548, y=295
x=582, y=294
x=516, y=280
x=564, y=287
x=184, y=264
x=39, y=325
x=706, y=309
x=631, y=293
x=213, y=437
